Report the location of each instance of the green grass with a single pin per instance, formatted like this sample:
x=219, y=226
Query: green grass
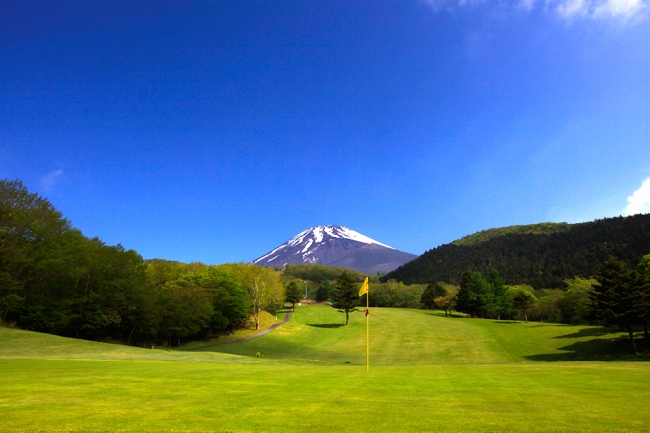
x=428, y=373
x=419, y=337
x=248, y=330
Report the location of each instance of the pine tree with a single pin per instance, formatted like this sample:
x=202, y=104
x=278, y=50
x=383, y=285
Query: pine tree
x=479, y=294
x=293, y=294
x=346, y=297
x=643, y=286
x=463, y=297
x=500, y=301
x=324, y=291
x=617, y=299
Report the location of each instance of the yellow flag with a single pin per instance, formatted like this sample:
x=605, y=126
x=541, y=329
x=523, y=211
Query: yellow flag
x=364, y=287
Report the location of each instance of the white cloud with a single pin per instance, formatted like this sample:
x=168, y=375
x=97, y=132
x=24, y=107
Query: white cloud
x=624, y=9
x=639, y=201
x=49, y=180
x=569, y=10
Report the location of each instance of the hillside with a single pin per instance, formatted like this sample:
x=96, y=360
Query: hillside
x=542, y=255
x=529, y=229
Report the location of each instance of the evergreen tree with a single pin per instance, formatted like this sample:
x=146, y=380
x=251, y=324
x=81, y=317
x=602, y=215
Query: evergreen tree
x=641, y=290
x=346, y=296
x=617, y=298
x=643, y=283
x=500, y=302
x=479, y=294
x=293, y=294
x=463, y=297
x=324, y=291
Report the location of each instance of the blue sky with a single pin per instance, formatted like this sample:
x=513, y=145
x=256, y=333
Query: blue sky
x=215, y=130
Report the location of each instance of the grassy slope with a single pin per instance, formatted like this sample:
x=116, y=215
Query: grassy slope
x=399, y=337
x=20, y=344
x=421, y=380
x=418, y=337
x=246, y=331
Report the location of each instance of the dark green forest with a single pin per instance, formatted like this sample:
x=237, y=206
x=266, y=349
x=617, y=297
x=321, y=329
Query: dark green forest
x=54, y=279
x=541, y=258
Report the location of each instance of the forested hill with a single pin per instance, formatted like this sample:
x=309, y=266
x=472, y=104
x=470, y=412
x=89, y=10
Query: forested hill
x=532, y=229
x=542, y=255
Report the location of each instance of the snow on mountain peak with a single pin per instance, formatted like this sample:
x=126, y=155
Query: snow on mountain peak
x=336, y=246
x=306, y=241
x=318, y=233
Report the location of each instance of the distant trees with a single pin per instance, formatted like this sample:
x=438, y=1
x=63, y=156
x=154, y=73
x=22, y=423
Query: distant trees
x=265, y=290
x=395, y=294
x=522, y=300
x=478, y=296
x=542, y=256
x=54, y=279
x=318, y=273
x=431, y=293
x=575, y=305
x=346, y=295
x=643, y=267
x=324, y=291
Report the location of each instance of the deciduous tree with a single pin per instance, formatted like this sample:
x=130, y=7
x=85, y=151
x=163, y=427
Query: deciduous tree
x=523, y=300
x=264, y=287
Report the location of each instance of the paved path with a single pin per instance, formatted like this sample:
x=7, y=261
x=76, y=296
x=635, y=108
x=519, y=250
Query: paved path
x=287, y=316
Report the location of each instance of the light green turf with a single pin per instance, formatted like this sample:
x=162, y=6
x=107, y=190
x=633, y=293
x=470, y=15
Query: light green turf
x=398, y=337
x=127, y=395
x=537, y=341
x=418, y=337
x=17, y=344
x=428, y=373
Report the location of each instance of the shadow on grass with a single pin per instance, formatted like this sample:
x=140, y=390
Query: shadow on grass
x=598, y=349
x=325, y=325
x=438, y=313
x=591, y=332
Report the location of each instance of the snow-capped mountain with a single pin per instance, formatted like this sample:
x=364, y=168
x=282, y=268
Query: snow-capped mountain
x=336, y=246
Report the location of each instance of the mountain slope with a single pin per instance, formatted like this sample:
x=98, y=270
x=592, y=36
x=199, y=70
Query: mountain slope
x=542, y=260
x=336, y=246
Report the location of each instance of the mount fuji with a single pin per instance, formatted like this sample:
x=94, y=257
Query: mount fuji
x=336, y=246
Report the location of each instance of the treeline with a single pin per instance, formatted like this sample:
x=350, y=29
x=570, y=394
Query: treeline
x=313, y=281
x=316, y=273
x=618, y=295
x=54, y=279
x=318, y=281
x=542, y=257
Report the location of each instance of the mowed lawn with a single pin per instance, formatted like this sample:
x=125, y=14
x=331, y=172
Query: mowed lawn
x=429, y=373
x=420, y=337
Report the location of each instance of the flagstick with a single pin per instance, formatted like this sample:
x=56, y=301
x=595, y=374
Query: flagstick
x=367, y=332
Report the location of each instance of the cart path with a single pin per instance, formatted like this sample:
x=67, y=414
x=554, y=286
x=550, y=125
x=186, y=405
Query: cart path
x=287, y=316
